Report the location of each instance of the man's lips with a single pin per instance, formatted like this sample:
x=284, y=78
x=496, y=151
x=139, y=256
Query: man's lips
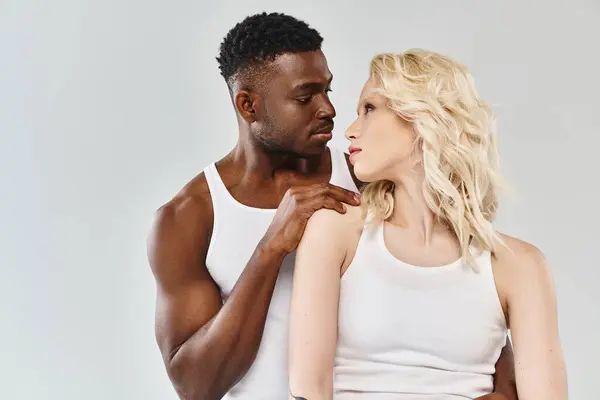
x=324, y=133
x=326, y=136
x=324, y=129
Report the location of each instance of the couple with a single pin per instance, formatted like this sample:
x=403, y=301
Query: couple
x=275, y=279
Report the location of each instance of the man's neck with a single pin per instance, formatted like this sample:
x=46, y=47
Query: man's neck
x=265, y=165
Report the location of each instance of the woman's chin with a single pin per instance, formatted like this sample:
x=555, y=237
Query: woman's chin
x=365, y=175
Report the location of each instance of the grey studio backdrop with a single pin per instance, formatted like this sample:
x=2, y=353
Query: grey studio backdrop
x=108, y=107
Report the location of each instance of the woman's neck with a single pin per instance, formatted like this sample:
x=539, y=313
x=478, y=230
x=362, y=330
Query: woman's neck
x=411, y=210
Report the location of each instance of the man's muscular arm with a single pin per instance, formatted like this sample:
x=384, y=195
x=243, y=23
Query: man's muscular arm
x=504, y=379
x=207, y=346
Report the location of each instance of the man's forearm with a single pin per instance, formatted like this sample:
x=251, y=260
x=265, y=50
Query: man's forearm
x=492, y=396
x=216, y=357
x=504, y=378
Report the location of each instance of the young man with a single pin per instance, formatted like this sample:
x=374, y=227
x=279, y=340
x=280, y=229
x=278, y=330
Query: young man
x=222, y=250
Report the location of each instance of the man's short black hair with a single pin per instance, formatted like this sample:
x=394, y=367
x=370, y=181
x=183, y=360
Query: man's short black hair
x=260, y=38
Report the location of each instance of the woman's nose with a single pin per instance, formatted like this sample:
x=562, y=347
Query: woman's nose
x=353, y=130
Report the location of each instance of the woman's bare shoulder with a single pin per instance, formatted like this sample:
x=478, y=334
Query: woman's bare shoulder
x=514, y=253
x=333, y=222
x=518, y=264
x=341, y=231
x=518, y=267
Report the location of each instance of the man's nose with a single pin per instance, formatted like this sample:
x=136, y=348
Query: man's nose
x=326, y=109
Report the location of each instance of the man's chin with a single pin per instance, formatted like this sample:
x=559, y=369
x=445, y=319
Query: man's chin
x=312, y=154
x=313, y=151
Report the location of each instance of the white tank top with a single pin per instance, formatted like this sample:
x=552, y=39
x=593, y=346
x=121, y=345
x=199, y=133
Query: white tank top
x=237, y=230
x=408, y=332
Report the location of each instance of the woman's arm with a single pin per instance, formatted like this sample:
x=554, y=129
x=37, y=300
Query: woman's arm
x=314, y=307
x=539, y=364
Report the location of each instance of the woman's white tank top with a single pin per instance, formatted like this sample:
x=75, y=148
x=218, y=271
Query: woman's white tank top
x=408, y=332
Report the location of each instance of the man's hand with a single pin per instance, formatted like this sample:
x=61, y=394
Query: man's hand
x=297, y=206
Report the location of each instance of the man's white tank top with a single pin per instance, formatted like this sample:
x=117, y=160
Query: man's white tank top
x=237, y=230
x=408, y=332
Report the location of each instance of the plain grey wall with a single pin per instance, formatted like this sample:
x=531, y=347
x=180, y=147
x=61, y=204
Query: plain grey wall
x=107, y=107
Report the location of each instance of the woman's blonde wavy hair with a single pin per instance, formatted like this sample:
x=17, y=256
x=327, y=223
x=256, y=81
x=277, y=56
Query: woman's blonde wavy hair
x=456, y=131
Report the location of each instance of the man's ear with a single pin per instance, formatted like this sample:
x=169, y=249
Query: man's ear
x=246, y=104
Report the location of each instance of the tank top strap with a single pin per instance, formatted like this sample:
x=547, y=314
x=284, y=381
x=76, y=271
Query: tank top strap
x=215, y=184
x=485, y=268
x=218, y=191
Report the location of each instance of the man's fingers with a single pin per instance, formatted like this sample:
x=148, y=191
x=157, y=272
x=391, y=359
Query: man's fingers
x=335, y=205
x=326, y=201
x=344, y=195
x=317, y=196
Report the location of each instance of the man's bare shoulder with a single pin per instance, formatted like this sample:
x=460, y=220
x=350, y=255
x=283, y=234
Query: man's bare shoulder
x=191, y=205
x=183, y=225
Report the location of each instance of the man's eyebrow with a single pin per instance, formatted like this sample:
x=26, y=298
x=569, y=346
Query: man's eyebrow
x=312, y=85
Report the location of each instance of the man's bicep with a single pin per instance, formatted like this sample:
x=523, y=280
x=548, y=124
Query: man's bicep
x=187, y=297
x=182, y=310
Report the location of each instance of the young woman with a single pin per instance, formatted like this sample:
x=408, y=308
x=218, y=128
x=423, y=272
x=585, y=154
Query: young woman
x=412, y=295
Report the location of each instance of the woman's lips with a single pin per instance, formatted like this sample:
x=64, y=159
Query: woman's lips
x=353, y=153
